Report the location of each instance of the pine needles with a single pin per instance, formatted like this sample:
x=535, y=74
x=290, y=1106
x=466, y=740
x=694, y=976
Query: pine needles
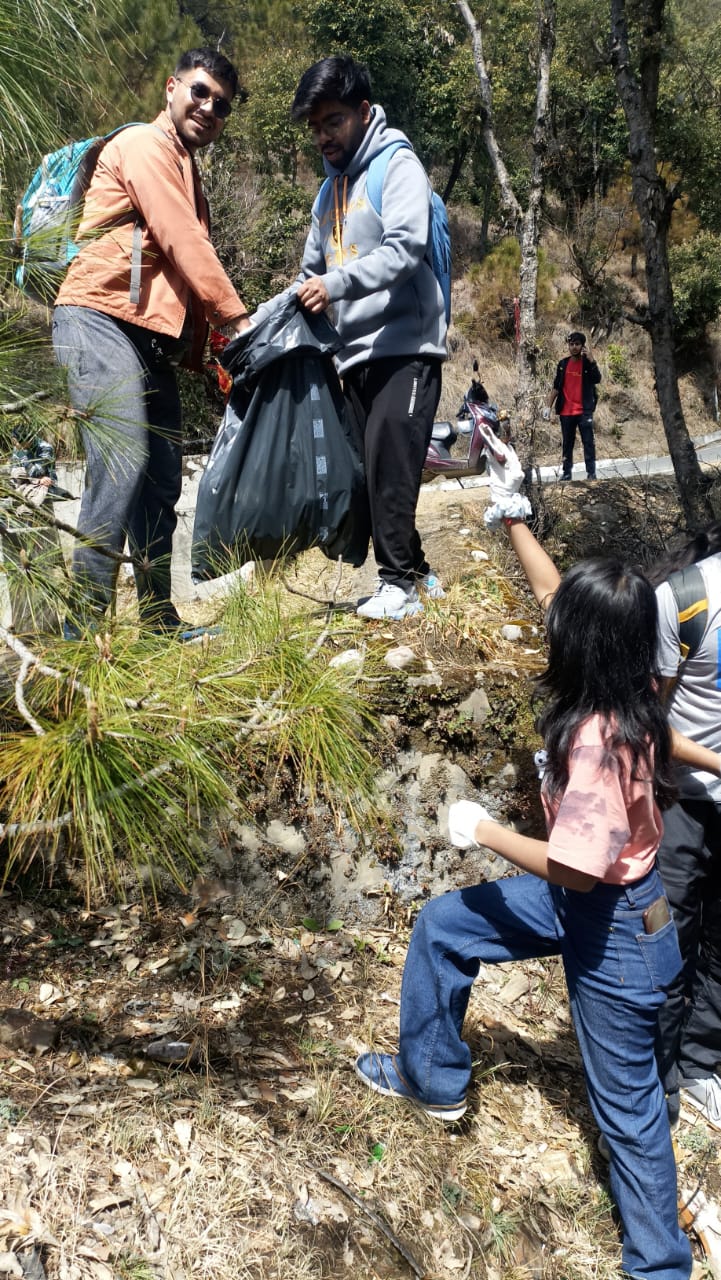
x=119, y=749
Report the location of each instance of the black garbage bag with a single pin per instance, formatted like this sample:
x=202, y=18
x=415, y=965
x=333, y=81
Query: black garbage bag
x=284, y=473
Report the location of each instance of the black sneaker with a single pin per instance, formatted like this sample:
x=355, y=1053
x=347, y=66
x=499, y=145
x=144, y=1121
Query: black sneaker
x=177, y=629
x=185, y=632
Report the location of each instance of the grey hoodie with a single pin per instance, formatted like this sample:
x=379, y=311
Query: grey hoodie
x=386, y=299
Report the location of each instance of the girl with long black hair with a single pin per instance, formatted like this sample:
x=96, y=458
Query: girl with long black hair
x=591, y=892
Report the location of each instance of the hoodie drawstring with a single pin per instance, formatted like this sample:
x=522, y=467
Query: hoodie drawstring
x=339, y=213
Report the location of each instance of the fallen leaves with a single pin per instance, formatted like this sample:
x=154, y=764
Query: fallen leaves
x=202, y=1072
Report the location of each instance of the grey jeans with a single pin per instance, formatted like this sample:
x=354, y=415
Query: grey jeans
x=121, y=380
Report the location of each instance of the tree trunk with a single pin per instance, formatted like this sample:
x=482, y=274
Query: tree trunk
x=525, y=225
x=459, y=157
x=508, y=196
x=654, y=201
x=526, y=398
x=485, y=217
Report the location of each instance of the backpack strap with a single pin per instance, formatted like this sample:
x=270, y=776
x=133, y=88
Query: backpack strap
x=376, y=172
x=136, y=252
x=689, y=591
x=375, y=176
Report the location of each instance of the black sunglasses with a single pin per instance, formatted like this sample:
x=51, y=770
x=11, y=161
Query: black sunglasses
x=200, y=93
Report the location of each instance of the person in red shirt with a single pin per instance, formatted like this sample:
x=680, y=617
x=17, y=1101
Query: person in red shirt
x=574, y=396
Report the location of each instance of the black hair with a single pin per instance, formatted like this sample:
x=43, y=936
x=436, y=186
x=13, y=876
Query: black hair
x=602, y=629
x=577, y=336
x=707, y=542
x=215, y=63
x=338, y=78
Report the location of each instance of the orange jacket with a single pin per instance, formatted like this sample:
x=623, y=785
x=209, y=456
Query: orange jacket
x=148, y=168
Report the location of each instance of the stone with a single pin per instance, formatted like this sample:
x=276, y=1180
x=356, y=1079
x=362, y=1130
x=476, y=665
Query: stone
x=400, y=658
x=349, y=658
x=476, y=706
x=20, y=1029
x=508, y=775
x=285, y=837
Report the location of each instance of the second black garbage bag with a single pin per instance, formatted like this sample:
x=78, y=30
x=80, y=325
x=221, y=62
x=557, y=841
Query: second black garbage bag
x=284, y=473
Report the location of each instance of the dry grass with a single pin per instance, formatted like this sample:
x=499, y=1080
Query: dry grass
x=117, y=1164
x=260, y=1164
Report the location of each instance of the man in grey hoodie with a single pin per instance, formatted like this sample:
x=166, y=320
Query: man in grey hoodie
x=373, y=268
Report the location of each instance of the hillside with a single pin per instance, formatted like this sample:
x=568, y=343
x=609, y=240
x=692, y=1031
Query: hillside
x=177, y=1095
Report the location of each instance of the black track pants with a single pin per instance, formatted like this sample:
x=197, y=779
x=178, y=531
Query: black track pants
x=689, y=859
x=392, y=404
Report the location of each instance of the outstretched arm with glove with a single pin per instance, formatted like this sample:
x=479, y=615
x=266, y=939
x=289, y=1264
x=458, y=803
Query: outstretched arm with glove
x=543, y=577
x=510, y=509
x=470, y=823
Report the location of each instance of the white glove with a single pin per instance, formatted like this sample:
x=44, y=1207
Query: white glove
x=505, y=470
x=463, y=818
x=546, y=414
x=506, y=478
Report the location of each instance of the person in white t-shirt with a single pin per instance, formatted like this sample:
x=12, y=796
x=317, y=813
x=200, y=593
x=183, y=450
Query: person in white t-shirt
x=689, y=856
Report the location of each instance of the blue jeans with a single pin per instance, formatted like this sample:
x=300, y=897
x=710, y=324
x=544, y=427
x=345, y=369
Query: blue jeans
x=122, y=384
x=616, y=975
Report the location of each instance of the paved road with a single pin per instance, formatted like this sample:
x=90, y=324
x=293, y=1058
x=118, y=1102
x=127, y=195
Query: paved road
x=708, y=449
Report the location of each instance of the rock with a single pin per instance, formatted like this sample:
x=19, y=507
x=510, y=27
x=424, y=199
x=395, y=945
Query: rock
x=476, y=706
x=400, y=658
x=511, y=632
x=285, y=837
x=508, y=776
x=431, y=680
x=479, y=555
x=173, y=1052
x=20, y=1029
x=349, y=658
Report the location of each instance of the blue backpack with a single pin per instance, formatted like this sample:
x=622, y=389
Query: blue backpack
x=440, y=231
x=48, y=215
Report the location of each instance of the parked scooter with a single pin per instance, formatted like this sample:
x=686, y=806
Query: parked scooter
x=476, y=394
x=484, y=413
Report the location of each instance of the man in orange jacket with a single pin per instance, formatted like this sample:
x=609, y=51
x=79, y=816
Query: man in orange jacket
x=137, y=301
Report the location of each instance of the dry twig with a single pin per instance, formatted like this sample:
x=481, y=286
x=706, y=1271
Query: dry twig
x=375, y=1218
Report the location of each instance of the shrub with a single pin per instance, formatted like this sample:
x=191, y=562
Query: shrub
x=495, y=282
x=619, y=365
x=696, y=277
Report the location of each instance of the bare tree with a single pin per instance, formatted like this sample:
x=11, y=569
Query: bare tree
x=525, y=224
x=637, y=87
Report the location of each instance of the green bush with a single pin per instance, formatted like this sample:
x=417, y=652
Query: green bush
x=496, y=282
x=696, y=277
x=619, y=364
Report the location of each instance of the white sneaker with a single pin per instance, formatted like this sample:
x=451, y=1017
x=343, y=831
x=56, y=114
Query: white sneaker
x=431, y=584
x=390, y=601
x=705, y=1096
